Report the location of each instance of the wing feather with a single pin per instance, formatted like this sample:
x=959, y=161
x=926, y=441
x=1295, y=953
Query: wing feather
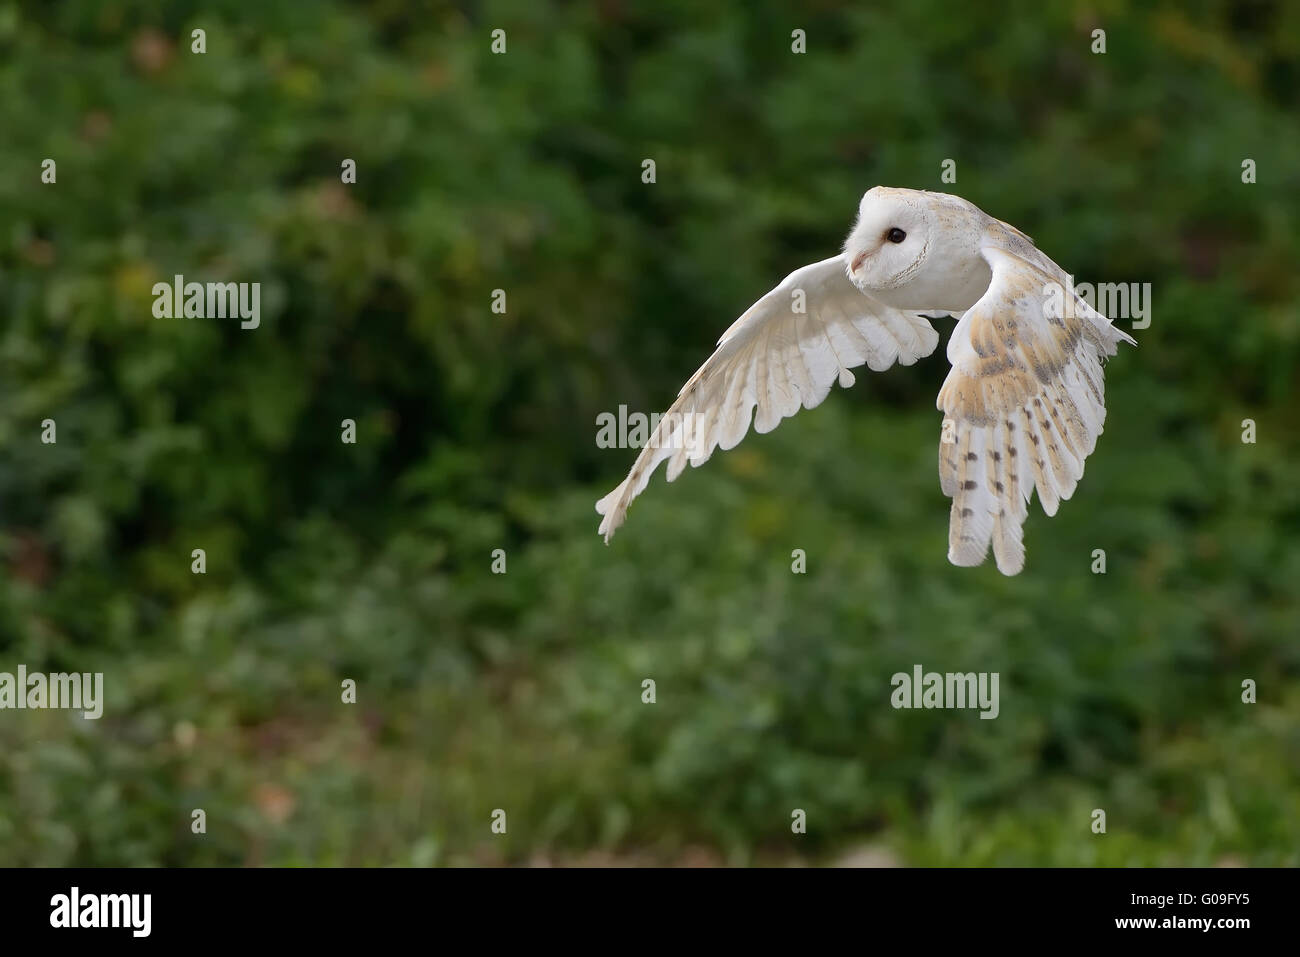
x=1024, y=405
x=769, y=363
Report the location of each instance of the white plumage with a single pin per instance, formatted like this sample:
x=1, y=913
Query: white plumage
x=1023, y=403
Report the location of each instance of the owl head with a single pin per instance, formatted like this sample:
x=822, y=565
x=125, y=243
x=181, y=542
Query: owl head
x=909, y=248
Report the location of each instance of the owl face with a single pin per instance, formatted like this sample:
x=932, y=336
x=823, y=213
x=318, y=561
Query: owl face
x=890, y=240
x=914, y=249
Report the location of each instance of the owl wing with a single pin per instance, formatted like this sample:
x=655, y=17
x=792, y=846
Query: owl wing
x=786, y=351
x=1023, y=405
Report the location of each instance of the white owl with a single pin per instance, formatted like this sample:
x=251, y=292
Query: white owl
x=1023, y=403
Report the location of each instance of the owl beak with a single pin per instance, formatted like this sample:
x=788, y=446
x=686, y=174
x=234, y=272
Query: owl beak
x=857, y=262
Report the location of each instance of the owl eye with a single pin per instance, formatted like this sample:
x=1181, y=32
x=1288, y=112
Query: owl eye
x=895, y=235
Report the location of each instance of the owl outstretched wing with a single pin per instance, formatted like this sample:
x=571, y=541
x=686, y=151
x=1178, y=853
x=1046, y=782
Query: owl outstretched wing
x=1023, y=405
x=785, y=351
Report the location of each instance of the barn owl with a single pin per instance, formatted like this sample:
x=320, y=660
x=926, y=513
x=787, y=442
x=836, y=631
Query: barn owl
x=1023, y=403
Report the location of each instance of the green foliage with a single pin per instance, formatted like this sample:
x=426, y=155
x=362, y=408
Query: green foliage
x=476, y=431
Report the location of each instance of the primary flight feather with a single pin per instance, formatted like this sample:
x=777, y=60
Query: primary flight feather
x=1023, y=403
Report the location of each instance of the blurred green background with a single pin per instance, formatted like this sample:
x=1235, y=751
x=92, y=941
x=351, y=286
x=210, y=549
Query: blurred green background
x=476, y=431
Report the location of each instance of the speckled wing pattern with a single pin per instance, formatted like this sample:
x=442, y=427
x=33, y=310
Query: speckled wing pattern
x=1023, y=403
